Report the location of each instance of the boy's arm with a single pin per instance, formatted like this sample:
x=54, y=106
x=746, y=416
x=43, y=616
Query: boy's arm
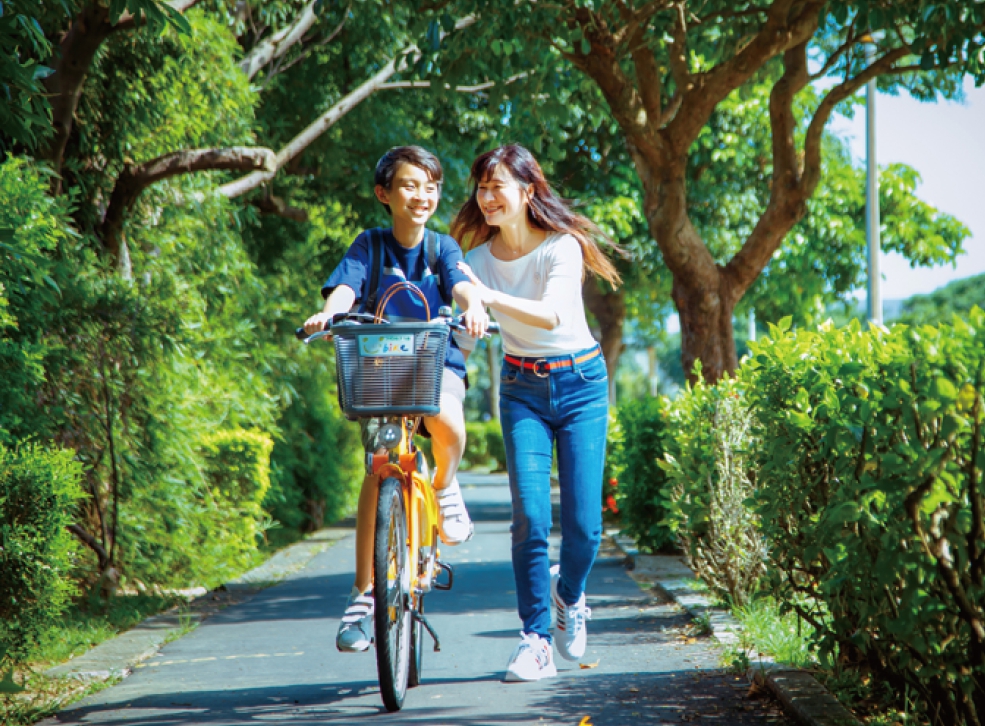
x=340, y=301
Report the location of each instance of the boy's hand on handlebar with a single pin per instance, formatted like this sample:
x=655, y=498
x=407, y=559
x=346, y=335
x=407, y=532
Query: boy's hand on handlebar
x=316, y=323
x=475, y=322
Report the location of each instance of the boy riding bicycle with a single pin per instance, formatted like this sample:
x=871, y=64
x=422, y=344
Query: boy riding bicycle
x=408, y=184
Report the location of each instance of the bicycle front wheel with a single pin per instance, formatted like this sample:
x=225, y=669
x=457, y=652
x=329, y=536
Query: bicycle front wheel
x=391, y=590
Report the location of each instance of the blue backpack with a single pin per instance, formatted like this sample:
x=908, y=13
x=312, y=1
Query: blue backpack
x=403, y=305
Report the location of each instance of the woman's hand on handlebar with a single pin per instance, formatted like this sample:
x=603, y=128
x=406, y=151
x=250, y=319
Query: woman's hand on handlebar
x=475, y=320
x=316, y=323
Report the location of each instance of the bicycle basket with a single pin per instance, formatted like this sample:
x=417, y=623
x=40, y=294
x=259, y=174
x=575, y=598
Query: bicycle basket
x=390, y=370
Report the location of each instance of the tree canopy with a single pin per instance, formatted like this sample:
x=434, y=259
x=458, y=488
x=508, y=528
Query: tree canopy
x=663, y=68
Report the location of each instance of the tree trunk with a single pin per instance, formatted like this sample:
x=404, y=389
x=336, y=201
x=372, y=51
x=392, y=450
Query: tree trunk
x=703, y=291
x=609, y=308
x=77, y=49
x=706, y=330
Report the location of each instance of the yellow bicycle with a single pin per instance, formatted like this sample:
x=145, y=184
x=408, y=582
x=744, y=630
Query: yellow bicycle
x=392, y=372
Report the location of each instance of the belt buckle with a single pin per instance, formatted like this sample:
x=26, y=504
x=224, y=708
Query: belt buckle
x=536, y=368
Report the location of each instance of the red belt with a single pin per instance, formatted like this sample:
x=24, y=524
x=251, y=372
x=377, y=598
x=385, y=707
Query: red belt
x=543, y=366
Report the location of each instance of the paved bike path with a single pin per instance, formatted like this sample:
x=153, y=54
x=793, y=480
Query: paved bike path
x=272, y=659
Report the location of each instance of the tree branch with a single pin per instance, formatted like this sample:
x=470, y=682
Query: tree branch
x=328, y=119
x=78, y=48
x=787, y=203
x=709, y=88
x=648, y=77
x=815, y=131
x=277, y=206
x=92, y=543
x=477, y=88
x=315, y=129
x=280, y=42
x=134, y=179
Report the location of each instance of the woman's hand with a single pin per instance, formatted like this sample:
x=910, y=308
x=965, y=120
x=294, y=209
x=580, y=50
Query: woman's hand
x=486, y=295
x=475, y=320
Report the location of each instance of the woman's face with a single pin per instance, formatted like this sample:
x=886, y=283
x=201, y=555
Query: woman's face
x=502, y=199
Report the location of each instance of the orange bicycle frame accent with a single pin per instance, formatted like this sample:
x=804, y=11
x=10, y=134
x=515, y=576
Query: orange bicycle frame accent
x=420, y=502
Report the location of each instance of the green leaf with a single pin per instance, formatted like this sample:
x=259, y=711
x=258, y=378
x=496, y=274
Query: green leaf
x=944, y=389
x=7, y=684
x=447, y=22
x=586, y=47
x=51, y=283
x=177, y=20
x=844, y=512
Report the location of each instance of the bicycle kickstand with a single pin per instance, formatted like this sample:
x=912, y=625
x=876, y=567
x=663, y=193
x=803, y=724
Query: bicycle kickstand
x=419, y=617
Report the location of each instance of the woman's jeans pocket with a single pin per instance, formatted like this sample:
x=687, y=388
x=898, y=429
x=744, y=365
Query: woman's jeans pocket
x=594, y=370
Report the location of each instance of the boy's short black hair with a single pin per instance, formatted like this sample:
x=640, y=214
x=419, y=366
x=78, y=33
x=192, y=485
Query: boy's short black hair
x=386, y=167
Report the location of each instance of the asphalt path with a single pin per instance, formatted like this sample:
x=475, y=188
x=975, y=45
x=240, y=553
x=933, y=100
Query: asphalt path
x=272, y=658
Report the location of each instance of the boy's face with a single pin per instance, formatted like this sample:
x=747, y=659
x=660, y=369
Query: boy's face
x=412, y=196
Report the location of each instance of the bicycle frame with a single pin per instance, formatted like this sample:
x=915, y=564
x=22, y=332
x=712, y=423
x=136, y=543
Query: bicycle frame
x=408, y=464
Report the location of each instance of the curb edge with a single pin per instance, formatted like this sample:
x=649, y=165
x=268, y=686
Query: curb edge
x=802, y=696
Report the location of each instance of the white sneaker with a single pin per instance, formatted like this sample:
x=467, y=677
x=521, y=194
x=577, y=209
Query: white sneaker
x=356, y=630
x=532, y=660
x=570, y=631
x=454, y=523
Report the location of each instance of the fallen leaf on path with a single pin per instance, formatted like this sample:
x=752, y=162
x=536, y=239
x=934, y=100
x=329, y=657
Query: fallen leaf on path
x=756, y=690
x=586, y=666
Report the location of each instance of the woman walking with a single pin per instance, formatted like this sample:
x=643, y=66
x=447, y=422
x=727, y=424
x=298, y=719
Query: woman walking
x=528, y=255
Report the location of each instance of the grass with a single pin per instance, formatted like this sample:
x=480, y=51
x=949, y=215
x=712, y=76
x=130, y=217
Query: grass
x=767, y=631
x=85, y=624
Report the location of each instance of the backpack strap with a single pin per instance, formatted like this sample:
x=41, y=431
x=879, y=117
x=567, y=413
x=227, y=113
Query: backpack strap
x=376, y=255
x=431, y=250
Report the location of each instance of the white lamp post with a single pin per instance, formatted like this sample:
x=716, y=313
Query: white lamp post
x=872, y=194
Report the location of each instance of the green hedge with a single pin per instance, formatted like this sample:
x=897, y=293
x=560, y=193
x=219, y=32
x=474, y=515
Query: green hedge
x=238, y=466
x=709, y=445
x=871, y=498
x=38, y=492
x=635, y=447
x=484, y=446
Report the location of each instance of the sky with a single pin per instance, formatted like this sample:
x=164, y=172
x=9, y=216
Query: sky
x=945, y=143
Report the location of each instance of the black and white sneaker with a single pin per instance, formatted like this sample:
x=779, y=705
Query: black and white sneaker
x=356, y=630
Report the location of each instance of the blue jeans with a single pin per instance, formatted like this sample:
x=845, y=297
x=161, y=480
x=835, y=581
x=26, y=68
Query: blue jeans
x=569, y=407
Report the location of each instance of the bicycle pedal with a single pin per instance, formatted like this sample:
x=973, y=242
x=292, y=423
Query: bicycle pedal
x=451, y=576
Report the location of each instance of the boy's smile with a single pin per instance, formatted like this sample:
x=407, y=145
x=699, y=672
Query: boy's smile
x=413, y=197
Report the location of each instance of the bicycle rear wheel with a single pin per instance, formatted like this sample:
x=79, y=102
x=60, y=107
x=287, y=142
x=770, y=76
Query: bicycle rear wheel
x=391, y=590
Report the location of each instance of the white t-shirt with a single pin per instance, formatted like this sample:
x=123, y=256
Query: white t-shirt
x=552, y=274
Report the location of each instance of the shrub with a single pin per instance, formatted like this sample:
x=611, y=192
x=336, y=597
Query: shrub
x=238, y=466
x=476, y=453
x=639, y=436
x=317, y=461
x=871, y=497
x=38, y=492
x=495, y=446
x=709, y=446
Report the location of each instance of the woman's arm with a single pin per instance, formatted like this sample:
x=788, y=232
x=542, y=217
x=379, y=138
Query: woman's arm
x=535, y=313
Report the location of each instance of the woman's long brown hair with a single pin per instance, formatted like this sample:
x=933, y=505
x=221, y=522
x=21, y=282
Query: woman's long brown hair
x=546, y=210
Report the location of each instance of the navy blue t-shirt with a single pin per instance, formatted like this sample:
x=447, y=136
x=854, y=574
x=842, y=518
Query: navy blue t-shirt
x=353, y=271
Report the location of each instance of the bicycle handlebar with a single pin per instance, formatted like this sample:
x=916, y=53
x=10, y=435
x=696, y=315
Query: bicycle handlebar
x=455, y=323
